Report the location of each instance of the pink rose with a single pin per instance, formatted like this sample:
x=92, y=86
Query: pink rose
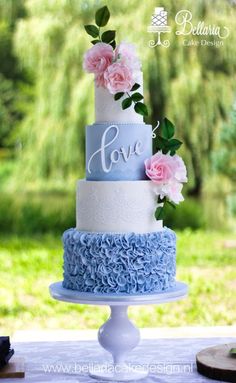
x=168, y=173
x=160, y=168
x=180, y=169
x=174, y=192
x=126, y=53
x=98, y=58
x=118, y=78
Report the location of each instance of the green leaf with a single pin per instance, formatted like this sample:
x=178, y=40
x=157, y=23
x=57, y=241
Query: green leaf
x=108, y=36
x=135, y=87
x=126, y=103
x=102, y=16
x=113, y=44
x=171, y=204
x=92, y=30
x=167, y=128
x=159, y=213
x=141, y=108
x=174, y=144
x=95, y=41
x=165, y=150
x=167, y=145
x=118, y=95
x=161, y=143
x=137, y=97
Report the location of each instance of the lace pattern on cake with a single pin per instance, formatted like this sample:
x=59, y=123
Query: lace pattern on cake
x=119, y=263
x=127, y=210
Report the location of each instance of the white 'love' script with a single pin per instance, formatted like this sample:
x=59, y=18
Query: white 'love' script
x=116, y=154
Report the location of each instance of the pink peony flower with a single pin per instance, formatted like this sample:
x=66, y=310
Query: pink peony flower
x=126, y=53
x=180, y=169
x=98, y=58
x=168, y=173
x=118, y=78
x=174, y=192
x=171, y=190
x=160, y=168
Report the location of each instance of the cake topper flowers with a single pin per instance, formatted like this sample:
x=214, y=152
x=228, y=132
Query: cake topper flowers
x=115, y=66
x=166, y=169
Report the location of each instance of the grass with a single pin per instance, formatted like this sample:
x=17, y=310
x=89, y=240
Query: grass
x=29, y=264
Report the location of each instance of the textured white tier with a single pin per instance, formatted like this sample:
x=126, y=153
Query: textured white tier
x=116, y=206
x=109, y=110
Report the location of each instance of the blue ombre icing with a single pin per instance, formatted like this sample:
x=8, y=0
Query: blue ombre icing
x=117, y=152
x=119, y=263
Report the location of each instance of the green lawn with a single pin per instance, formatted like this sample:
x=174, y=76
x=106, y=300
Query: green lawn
x=28, y=265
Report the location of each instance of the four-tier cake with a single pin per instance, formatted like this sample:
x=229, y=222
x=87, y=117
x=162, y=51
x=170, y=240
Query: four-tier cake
x=119, y=244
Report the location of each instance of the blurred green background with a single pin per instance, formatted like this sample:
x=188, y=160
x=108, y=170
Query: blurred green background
x=45, y=102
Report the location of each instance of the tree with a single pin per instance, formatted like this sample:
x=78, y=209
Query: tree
x=51, y=43
x=12, y=76
x=225, y=157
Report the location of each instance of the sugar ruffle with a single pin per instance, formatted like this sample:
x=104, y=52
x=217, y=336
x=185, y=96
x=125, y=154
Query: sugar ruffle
x=119, y=263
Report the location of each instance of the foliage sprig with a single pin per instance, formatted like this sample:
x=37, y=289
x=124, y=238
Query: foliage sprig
x=165, y=141
x=102, y=17
x=135, y=98
x=167, y=144
x=160, y=212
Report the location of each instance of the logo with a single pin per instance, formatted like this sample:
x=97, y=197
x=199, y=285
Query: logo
x=185, y=27
x=158, y=26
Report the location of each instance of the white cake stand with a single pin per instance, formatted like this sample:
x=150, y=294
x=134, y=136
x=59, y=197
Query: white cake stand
x=118, y=335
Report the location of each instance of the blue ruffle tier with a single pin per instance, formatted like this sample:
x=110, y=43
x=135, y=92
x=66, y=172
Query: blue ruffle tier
x=119, y=263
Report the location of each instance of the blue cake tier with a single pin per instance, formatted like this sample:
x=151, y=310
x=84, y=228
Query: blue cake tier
x=119, y=263
x=117, y=151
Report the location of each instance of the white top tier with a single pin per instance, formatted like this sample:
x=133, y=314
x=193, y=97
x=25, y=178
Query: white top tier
x=109, y=110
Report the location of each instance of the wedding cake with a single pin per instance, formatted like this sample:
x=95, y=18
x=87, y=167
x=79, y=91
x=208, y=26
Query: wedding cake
x=119, y=244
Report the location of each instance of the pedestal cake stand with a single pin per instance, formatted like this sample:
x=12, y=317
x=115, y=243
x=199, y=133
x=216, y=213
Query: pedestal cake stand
x=118, y=335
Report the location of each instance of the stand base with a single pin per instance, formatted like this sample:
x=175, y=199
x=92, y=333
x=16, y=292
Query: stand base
x=118, y=335
x=122, y=372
